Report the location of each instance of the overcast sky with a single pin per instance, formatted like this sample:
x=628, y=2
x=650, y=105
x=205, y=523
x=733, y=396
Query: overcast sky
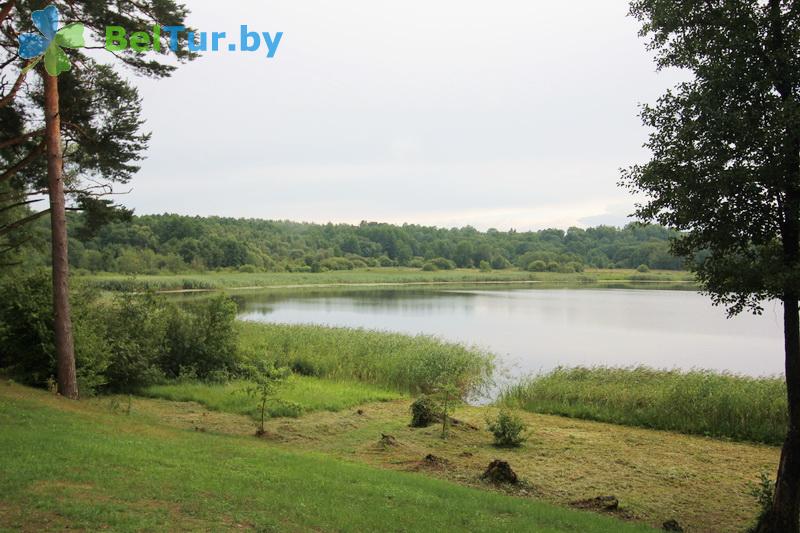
x=515, y=113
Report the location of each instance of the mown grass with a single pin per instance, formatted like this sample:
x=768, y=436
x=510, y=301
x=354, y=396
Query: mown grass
x=298, y=396
x=230, y=280
x=402, y=363
x=70, y=465
x=696, y=402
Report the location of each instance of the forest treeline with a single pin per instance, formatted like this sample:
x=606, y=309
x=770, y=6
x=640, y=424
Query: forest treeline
x=175, y=243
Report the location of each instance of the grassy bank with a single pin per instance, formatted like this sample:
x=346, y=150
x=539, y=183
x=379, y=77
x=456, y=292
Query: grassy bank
x=703, y=403
x=702, y=483
x=75, y=465
x=299, y=395
x=233, y=280
x=399, y=362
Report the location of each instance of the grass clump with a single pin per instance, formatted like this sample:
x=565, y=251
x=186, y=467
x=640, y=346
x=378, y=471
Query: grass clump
x=403, y=363
x=696, y=402
x=293, y=397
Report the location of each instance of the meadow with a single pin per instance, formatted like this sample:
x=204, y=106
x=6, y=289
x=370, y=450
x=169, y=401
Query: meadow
x=79, y=465
x=389, y=275
x=696, y=402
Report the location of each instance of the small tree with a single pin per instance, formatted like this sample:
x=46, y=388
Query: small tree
x=449, y=395
x=266, y=378
x=508, y=430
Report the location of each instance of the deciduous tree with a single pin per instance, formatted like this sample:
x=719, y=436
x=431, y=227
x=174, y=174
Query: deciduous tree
x=725, y=169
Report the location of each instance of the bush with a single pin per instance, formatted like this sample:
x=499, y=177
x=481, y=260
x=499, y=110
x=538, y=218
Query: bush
x=536, y=266
x=485, y=266
x=27, y=348
x=429, y=267
x=643, y=269
x=202, y=337
x=424, y=412
x=442, y=264
x=130, y=342
x=508, y=430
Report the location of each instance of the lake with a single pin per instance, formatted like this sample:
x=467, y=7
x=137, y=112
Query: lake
x=537, y=329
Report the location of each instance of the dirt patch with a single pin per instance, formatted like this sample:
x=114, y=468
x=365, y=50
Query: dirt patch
x=603, y=504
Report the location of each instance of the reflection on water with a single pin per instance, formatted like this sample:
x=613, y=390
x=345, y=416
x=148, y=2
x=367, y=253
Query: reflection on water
x=538, y=329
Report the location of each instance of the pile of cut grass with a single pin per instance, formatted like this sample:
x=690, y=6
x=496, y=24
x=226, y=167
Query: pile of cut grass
x=403, y=363
x=299, y=395
x=696, y=402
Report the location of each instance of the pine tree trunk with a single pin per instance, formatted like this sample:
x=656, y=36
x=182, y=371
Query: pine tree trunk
x=62, y=320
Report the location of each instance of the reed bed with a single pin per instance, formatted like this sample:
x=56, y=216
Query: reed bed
x=697, y=402
x=403, y=363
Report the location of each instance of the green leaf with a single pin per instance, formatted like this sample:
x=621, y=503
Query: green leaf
x=55, y=60
x=71, y=36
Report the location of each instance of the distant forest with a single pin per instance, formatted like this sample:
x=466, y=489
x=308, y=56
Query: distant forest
x=173, y=243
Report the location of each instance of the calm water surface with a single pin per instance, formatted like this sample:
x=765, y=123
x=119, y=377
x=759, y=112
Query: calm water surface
x=537, y=329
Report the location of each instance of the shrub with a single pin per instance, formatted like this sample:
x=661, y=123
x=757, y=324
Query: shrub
x=202, y=337
x=485, y=266
x=500, y=263
x=336, y=263
x=424, y=412
x=429, y=267
x=508, y=430
x=27, y=348
x=135, y=326
x=442, y=264
x=643, y=269
x=122, y=345
x=536, y=266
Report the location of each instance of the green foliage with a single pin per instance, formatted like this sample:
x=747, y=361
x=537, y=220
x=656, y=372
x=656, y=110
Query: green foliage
x=764, y=493
x=725, y=165
x=27, y=348
x=698, y=402
x=121, y=344
x=174, y=244
x=201, y=336
x=643, y=269
x=400, y=362
x=424, y=412
x=508, y=430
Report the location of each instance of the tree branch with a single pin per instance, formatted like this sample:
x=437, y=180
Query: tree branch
x=19, y=223
x=7, y=99
x=20, y=204
x=5, y=11
x=11, y=172
x=21, y=139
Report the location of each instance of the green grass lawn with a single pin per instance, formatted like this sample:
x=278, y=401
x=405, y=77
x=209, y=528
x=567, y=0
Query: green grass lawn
x=299, y=395
x=232, y=280
x=74, y=465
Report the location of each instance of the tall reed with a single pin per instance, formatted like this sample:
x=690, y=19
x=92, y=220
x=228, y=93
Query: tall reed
x=414, y=364
x=698, y=402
